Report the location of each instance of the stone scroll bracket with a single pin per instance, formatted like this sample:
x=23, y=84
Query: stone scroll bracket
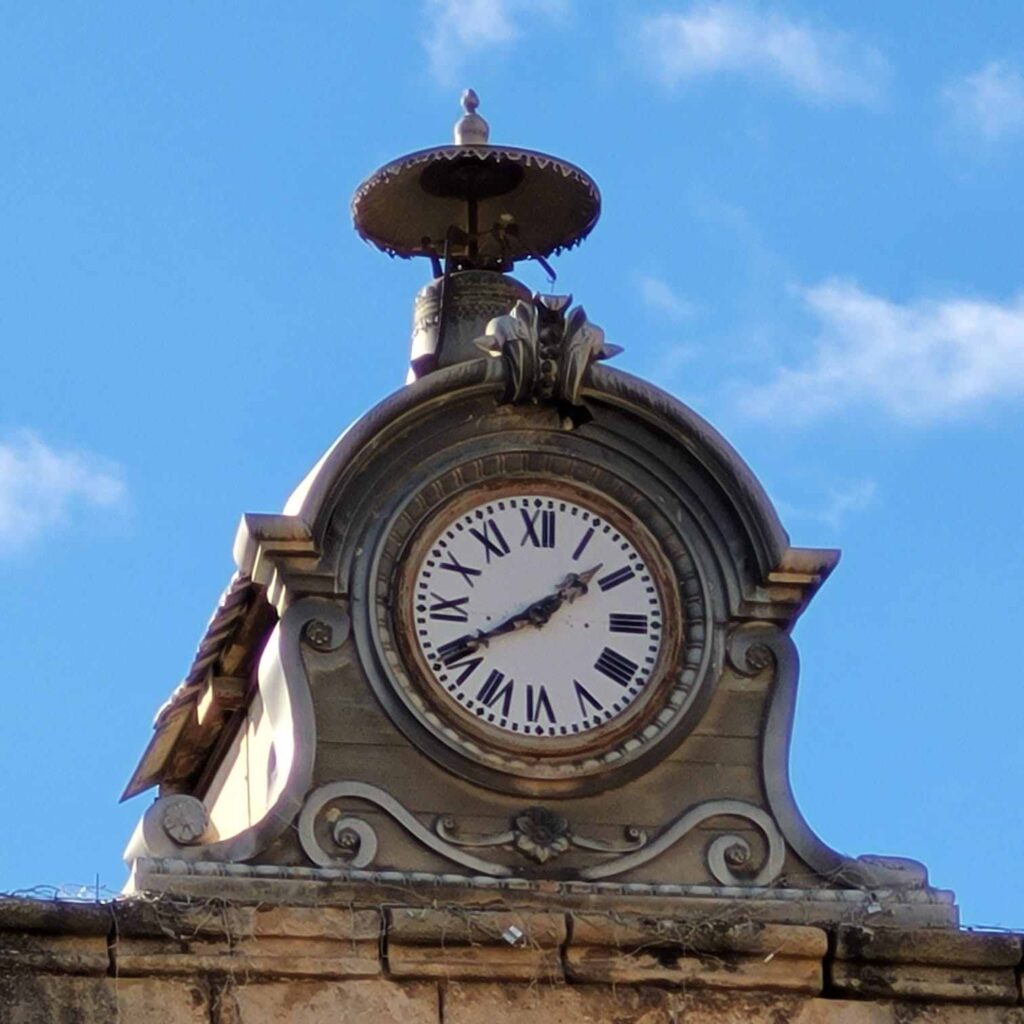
x=184, y=826
x=758, y=647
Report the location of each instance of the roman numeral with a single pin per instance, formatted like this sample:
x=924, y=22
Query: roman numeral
x=494, y=543
x=585, y=697
x=613, y=579
x=581, y=547
x=619, y=623
x=446, y=610
x=469, y=666
x=534, y=705
x=616, y=666
x=546, y=538
x=492, y=691
x=467, y=572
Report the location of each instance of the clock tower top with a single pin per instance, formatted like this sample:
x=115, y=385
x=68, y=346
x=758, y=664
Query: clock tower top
x=522, y=633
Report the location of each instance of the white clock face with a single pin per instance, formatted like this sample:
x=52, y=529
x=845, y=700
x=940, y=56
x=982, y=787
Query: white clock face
x=537, y=615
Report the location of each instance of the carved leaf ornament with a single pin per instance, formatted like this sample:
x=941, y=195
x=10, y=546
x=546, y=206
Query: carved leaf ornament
x=546, y=349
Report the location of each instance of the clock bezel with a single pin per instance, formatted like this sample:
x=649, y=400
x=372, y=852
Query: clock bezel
x=634, y=716
x=677, y=699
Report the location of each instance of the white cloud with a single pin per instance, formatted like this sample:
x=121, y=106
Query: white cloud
x=924, y=360
x=733, y=38
x=40, y=485
x=458, y=29
x=660, y=296
x=990, y=102
x=839, y=502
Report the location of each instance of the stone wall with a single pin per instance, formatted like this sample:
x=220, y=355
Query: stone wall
x=212, y=962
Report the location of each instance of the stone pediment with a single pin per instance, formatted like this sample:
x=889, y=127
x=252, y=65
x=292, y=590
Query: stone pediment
x=306, y=747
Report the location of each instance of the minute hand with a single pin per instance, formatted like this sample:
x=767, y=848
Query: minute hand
x=539, y=613
x=536, y=614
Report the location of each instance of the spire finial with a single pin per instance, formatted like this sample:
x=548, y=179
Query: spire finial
x=471, y=129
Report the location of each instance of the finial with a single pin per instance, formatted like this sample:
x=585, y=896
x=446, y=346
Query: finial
x=471, y=129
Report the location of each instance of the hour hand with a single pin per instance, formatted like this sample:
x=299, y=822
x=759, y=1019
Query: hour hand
x=452, y=651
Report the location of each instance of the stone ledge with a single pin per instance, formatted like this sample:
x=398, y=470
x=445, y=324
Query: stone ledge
x=18, y=914
x=164, y=939
x=771, y=958
x=289, y=885
x=927, y=964
x=218, y=918
x=497, y=945
x=175, y=942
x=58, y=954
x=977, y=985
x=935, y=946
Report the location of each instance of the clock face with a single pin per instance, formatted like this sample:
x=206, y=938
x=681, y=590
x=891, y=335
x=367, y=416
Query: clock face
x=540, y=615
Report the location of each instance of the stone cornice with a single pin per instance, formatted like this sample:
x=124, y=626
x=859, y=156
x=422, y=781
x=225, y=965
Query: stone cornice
x=224, y=945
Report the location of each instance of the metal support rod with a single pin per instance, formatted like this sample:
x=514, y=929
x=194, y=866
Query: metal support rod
x=442, y=312
x=472, y=227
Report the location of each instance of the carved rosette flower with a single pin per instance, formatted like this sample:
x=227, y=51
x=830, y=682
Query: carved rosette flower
x=318, y=634
x=541, y=834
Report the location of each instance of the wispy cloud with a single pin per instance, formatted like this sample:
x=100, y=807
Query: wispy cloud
x=837, y=505
x=925, y=361
x=658, y=295
x=819, y=64
x=459, y=29
x=990, y=102
x=40, y=486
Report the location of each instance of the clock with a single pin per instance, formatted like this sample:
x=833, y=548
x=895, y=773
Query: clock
x=539, y=622
x=537, y=615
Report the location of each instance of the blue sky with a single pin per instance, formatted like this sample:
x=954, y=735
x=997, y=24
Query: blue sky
x=811, y=233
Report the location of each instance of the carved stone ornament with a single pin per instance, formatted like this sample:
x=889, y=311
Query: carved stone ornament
x=319, y=634
x=184, y=819
x=546, y=349
x=331, y=837
x=541, y=835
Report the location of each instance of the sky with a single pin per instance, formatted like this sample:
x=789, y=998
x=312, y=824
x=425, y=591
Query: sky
x=812, y=234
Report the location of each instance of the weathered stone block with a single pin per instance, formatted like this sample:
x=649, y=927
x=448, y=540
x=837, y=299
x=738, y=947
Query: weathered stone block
x=275, y=942
x=554, y=1004
x=478, y=944
x=939, y=964
x=325, y=1002
x=160, y=1001
x=481, y=927
x=264, y=957
x=600, y=1004
x=934, y=946
x=27, y=998
x=55, y=916
x=976, y=985
x=774, y=958
x=312, y=922
x=60, y=954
